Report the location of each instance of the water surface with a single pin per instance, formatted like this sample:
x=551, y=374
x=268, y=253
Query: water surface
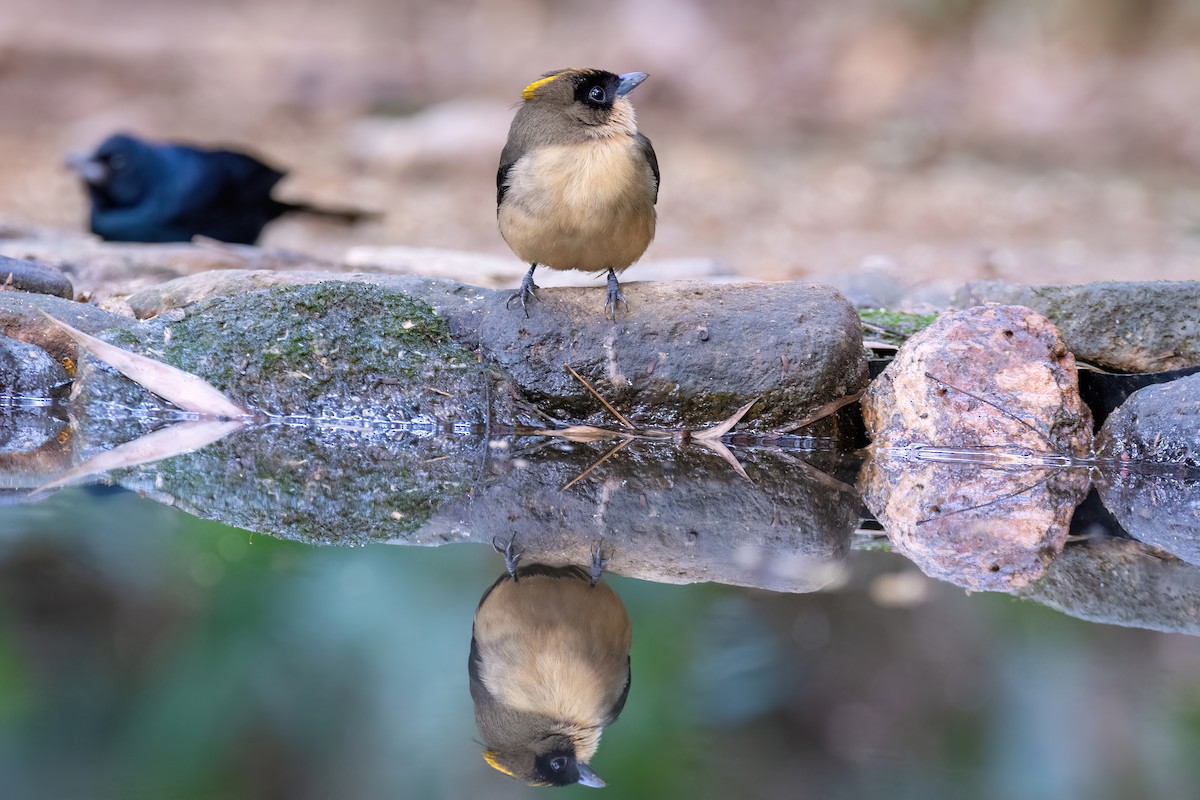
x=783, y=646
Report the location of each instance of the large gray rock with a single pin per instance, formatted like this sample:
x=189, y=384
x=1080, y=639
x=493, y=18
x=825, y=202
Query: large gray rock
x=28, y=371
x=1158, y=424
x=1124, y=326
x=30, y=276
x=992, y=378
x=1153, y=486
x=685, y=354
x=1122, y=582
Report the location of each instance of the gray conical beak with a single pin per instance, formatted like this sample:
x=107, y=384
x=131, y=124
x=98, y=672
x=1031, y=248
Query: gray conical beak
x=87, y=168
x=629, y=82
x=586, y=776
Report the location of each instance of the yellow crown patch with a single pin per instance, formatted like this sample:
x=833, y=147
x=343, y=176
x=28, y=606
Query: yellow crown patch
x=529, y=91
x=490, y=756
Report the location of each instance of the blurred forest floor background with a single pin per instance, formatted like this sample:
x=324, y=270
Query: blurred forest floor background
x=930, y=139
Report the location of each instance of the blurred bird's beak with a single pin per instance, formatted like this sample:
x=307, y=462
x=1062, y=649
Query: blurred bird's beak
x=586, y=776
x=90, y=170
x=629, y=82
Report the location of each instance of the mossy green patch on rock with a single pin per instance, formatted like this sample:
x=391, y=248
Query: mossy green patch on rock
x=894, y=322
x=328, y=350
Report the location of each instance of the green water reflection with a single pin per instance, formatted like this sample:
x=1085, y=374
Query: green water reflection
x=148, y=654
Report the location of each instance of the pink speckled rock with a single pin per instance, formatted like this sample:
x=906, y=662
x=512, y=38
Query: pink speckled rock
x=993, y=378
x=989, y=527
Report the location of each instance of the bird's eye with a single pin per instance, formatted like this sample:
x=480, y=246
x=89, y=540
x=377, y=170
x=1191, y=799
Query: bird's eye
x=560, y=763
x=116, y=161
x=597, y=95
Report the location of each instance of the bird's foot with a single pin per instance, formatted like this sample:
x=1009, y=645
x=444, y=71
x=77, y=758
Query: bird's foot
x=614, y=297
x=512, y=556
x=527, y=292
x=599, y=562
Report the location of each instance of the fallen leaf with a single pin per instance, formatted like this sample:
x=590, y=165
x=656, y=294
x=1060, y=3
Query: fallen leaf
x=184, y=437
x=718, y=447
x=183, y=389
x=722, y=428
x=582, y=433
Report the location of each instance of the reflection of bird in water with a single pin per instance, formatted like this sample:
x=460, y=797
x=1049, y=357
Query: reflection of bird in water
x=149, y=192
x=549, y=669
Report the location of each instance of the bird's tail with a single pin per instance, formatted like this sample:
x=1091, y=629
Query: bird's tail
x=349, y=216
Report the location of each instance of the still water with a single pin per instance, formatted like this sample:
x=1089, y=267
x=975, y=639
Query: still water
x=782, y=644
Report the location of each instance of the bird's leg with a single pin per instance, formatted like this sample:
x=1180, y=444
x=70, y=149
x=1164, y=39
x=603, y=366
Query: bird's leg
x=512, y=556
x=599, y=562
x=614, y=295
x=528, y=291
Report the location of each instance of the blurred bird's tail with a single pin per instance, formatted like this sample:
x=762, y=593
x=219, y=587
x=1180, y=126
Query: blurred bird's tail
x=349, y=216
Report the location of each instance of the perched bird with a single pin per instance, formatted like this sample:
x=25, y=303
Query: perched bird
x=549, y=669
x=577, y=183
x=150, y=192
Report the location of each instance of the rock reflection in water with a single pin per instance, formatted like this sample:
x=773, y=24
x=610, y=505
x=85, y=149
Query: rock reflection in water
x=671, y=515
x=549, y=668
x=1122, y=582
x=675, y=513
x=1159, y=507
x=24, y=429
x=1151, y=482
x=317, y=484
x=977, y=525
x=34, y=443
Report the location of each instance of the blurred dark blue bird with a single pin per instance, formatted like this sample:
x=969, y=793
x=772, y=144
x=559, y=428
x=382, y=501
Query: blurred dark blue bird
x=151, y=192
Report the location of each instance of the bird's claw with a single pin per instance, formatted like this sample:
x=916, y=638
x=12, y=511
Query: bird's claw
x=527, y=292
x=614, y=297
x=512, y=556
x=599, y=562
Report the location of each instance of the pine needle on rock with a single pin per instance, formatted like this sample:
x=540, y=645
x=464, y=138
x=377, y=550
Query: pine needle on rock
x=709, y=438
